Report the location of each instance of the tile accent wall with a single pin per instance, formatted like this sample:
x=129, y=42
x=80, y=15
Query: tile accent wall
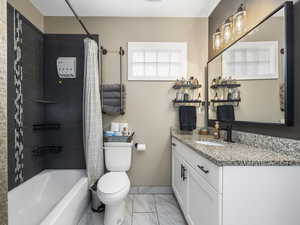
x=25, y=79
x=18, y=101
x=3, y=115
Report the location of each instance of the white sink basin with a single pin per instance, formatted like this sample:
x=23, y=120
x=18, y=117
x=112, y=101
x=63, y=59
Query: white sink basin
x=209, y=143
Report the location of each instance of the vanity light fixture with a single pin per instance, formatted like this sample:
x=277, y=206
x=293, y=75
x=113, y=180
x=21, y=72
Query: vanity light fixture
x=227, y=30
x=233, y=26
x=239, y=20
x=217, y=39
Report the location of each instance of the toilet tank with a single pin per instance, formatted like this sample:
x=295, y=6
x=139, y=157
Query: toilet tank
x=118, y=158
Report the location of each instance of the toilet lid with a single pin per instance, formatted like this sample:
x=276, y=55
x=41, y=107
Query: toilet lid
x=113, y=182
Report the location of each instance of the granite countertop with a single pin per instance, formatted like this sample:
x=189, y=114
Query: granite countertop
x=236, y=154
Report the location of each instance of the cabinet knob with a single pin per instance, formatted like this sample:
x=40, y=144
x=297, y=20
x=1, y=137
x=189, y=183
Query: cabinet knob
x=203, y=169
x=173, y=144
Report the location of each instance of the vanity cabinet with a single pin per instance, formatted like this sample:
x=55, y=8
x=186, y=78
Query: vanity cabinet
x=233, y=195
x=179, y=179
x=198, y=200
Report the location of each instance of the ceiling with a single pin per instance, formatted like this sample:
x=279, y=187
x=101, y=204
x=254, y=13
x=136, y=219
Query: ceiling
x=128, y=8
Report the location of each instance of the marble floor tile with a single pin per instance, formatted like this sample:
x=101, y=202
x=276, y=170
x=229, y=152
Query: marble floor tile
x=144, y=219
x=91, y=218
x=168, y=211
x=129, y=210
x=143, y=204
x=163, y=208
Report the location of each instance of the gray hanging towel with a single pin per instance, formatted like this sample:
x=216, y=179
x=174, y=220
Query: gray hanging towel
x=113, y=94
x=112, y=87
x=112, y=103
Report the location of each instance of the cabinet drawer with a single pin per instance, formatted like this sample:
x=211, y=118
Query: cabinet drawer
x=203, y=167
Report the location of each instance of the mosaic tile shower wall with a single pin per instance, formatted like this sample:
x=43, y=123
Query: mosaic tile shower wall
x=18, y=77
x=25, y=81
x=3, y=115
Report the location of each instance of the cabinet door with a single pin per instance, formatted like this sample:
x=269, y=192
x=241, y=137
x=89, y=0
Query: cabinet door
x=179, y=179
x=203, y=206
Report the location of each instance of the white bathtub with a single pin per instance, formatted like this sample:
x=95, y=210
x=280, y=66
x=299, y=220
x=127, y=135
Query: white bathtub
x=53, y=197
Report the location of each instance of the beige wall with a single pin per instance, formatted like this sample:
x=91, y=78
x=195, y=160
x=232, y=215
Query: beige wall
x=29, y=11
x=3, y=115
x=149, y=109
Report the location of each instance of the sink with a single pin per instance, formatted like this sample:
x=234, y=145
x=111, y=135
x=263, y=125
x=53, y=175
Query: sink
x=209, y=143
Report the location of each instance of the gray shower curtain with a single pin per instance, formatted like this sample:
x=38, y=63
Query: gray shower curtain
x=92, y=115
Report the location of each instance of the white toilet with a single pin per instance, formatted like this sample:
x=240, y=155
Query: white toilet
x=114, y=186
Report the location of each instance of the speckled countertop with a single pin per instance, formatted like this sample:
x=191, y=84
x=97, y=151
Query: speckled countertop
x=236, y=154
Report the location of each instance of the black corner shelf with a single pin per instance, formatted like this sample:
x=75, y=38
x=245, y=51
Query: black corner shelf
x=216, y=86
x=43, y=150
x=179, y=102
x=44, y=101
x=190, y=86
x=46, y=126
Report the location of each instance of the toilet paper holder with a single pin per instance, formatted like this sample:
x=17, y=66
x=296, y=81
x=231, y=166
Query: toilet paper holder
x=136, y=145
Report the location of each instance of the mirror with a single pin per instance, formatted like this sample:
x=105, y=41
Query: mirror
x=255, y=74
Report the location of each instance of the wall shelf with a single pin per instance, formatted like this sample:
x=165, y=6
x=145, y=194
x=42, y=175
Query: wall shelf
x=216, y=86
x=226, y=101
x=40, y=151
x=46, y=126
x=44, y=101
x=197, y=103
x=190, y=86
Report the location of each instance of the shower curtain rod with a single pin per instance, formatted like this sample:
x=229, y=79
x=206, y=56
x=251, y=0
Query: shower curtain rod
x=103, y=50
x=79, y=20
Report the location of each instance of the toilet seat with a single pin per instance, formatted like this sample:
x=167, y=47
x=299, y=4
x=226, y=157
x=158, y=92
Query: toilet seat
x=113, y=187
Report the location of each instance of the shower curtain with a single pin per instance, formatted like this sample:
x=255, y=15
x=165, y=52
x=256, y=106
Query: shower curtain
x=92, y=115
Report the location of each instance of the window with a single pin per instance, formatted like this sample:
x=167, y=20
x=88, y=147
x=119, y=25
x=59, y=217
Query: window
x=251, y=60
x=157, y=60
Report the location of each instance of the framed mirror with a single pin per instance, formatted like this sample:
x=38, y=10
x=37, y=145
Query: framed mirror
x=255, y=73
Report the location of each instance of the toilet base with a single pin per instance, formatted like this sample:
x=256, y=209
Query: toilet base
x=114, y=214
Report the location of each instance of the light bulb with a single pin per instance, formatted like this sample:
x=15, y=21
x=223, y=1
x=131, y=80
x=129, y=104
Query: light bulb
x=217, y=39
x=239, y=20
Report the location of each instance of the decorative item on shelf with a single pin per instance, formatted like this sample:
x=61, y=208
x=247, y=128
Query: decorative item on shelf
x=239, y=20
x=187, y=93
x=216, y=132
x=225, y=91
x=217, y=39
x=192, y=83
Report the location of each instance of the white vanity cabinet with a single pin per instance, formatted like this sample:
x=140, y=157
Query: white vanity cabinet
x=234, y=195
x=197, y=198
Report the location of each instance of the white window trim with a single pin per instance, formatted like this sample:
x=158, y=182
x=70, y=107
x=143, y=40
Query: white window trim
x=274, y=55
x=182, y=46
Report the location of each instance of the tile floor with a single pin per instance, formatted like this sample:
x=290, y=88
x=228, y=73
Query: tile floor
x=144, y=209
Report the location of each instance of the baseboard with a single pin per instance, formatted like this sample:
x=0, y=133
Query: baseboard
x=151, y=190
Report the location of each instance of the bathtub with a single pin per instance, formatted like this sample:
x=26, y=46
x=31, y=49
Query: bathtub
x=53, y=197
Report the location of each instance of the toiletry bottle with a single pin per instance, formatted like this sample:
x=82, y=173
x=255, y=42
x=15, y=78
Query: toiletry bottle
x=229, y=96
x=186, y=95
x=216, y=96
x=217, y=130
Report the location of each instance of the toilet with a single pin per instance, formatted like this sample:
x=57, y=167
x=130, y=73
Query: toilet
x=113, y=187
